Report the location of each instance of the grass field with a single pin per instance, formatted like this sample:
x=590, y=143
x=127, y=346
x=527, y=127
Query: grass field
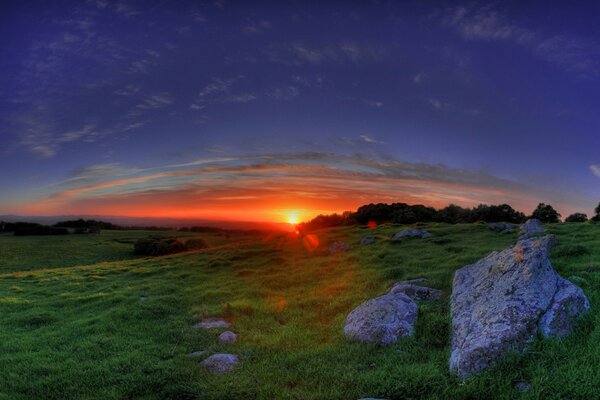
x=80, y=318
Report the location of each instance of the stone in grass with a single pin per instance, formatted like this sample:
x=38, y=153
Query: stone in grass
x=416, y=292
x=338, y=248
x=367, y=240
x=198, y=353
x=211, y=323
x=418, y=233
x=228, y=337
x=382, y=320
x=220, y=363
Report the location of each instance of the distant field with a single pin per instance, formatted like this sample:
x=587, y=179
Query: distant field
x=90, y=327
x=24, y=253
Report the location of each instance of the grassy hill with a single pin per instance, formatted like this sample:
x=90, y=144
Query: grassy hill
x=81, y=318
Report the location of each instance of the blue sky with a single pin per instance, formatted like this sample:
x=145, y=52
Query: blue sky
x=249, y=109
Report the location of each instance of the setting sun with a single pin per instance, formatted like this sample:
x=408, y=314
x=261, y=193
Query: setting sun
x=293, y=217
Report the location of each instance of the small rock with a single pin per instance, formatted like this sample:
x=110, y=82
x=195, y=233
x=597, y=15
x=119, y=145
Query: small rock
x=503, y=227
x=367, y=240
x=199, y=353
x=411, y=281
x=143, y=298
x=383, y=320
x=522, y=387
x=220, y=363
x=228, y=337
x=418, y=233
x=415, y=292
x=338, y=247
x=210, y=323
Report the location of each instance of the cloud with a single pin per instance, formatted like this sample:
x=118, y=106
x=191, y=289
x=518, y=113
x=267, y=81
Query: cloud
x=299, y=53
x=257, y=27
x=285, y=93
x=435, y=103
x=418, y=78
x=370, y=139
x=220, y=90
x=595, y=170
x=573, y=53
x=156, y=101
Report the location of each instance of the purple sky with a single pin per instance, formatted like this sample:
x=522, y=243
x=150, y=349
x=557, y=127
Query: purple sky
x=215, y=109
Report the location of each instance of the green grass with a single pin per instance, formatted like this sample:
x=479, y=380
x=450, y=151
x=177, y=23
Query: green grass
x=122, y=329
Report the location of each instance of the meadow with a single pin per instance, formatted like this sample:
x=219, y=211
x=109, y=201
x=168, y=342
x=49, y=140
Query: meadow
x=82, y=318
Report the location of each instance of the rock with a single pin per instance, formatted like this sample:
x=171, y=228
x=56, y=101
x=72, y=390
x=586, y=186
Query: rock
x=220, y=363
x=411, y=281
x=382, y=320
x=522, y=387
x=503, y=227
x=338, y=247
x=499, y=303
x=419, y=233
x=415, y=292
x=531, y=227
x=199, y=353
x=366, y=240
x=568, y=304
x=228, y=337
x=211, y=323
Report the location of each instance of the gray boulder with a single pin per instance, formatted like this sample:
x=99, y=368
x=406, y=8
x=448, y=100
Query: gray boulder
x=418, y=233
x=220, y=363
x=416, y=292
x=228, y=337
x=500, y=302
x=382, y=320
x=531, y=228
x=568, y=305
x=366, y=240
x=211, y=323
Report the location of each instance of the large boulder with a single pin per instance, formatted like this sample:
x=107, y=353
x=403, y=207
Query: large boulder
x=418, y=233
x=500, y=302
x=382, y=320
x=531, y=228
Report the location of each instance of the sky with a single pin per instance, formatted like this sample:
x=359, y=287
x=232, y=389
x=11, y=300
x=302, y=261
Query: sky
x=258, y=110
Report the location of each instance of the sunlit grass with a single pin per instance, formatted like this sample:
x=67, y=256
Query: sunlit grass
x=122, y=329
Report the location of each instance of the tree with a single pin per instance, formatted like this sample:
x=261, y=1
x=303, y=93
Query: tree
x=500, y=213
x=596, y=218
x=577, y=217
x=453, y=214
x=546, y=213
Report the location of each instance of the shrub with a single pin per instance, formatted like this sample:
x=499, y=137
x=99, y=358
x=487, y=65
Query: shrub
x=577, y=217
x=158, y=246
x=195, y=244
x=546, y=213
x=41, y=231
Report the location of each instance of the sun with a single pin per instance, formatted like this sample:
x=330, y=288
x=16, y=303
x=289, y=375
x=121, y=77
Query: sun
x=293, y=217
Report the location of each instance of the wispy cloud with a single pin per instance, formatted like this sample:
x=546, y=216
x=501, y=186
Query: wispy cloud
x=573, y=53
x=595, y=170
x=257, y=27
x=220, y=90
x=299, y=53
x=156, y=101
x=257, y=183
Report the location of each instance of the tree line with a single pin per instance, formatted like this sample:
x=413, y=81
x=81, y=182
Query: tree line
x=402, y=213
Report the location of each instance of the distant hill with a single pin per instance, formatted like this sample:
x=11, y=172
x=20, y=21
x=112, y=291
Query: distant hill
x=149, y=221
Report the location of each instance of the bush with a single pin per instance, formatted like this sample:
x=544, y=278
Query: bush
x=546, y=213
x=577, y=217
x=158, y=246
x=195, y=244
x=41, y=231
